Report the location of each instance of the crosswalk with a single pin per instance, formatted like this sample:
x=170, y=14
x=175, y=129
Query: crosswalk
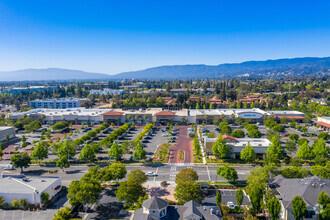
x=190, y=165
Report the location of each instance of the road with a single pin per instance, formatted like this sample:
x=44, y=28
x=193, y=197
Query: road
x=184, y=143
x=165, y=172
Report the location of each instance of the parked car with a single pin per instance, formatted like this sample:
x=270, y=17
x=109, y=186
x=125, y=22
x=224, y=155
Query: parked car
x=145, y=141
x=231, y=205
x=285, y=135
x=165, y=135
x=151, y=174
x=10, y=167
x=148, y=137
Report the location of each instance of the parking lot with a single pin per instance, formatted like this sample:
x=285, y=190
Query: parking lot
x=227, y=195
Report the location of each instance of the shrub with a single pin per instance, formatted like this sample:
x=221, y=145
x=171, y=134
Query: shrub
x=295, y=172
x=44, y=198
x=24, y=204
x=15, y=204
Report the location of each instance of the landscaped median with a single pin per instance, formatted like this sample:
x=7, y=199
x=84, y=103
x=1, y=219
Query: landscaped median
x=162, y=154
x=91, y=134
x=107, y=141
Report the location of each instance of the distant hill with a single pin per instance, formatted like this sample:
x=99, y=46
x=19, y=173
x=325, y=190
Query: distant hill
x=49, y=74
x=269, y=68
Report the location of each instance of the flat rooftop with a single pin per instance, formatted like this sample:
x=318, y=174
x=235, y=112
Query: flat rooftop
x=287, y=112
x=3, y=128
x=18, y=185
x=59, y=100
x=194, y=112
x=59, y=112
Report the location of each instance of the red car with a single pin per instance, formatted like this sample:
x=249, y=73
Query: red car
x=285, y=135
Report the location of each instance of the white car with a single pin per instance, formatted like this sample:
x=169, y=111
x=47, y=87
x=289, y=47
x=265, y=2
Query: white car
x=151, y=174
x=231, y=205
x=10, y=167
x=165, y=135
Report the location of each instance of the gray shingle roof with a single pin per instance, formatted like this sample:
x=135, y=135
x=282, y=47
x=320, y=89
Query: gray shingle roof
x=308, y=189
x=155, y=203
x=191, y=208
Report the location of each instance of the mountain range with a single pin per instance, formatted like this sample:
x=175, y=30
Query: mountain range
x=270, y=68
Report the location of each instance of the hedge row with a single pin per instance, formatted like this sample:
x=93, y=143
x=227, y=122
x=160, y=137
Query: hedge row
x=91, y=134
x=142, y=133
x=107, y=141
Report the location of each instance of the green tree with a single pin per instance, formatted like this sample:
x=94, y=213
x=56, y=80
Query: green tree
x=299, y=208
x=324, y=135
x=279, y=128
x=301, y=141
x=138, y=176
x=84, y=191
x=88, y=153
x=256, y=196
x=220, y=147
x=274, y=151
x=63, y=214
x=186, y=191
x=239, y=197
x=320, y=149
x=23, y=203
x=44, y=198
x=130, y=192
x=323, y=199
x=15, y=204
x=227, y=172
x=218, y=197
x=254, y=133
x=304, y=129
x=305, y=152
x=225, y=129
x=294, y=137
x=324, y=205
x=67, y=149
x=248, y=154
x=238, y=133
x=117, y=170
x=32, y=126
x=274, y=208
x=115, y=151
x=295, y=172
x=139, y=152
x=321, y=171
x=21, y=160
x=290, y=146
x=63, y=162
x=40, y=152
x=186, y=175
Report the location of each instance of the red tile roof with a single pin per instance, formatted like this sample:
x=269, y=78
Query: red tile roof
x=291, y=117
x=164, y=113
x=114, y=113
x=324, y=124
x=225, y=136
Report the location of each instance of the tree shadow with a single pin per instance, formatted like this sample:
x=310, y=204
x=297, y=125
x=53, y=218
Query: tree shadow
x=158, y=192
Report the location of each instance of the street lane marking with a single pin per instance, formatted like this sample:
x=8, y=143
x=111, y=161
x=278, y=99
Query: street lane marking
x=208, y=173
x=156, y=173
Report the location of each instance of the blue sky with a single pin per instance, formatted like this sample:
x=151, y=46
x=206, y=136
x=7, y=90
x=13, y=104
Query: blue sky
x=116, y=36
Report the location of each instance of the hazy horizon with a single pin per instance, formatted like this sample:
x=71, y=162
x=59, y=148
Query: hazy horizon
x=111, y=37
